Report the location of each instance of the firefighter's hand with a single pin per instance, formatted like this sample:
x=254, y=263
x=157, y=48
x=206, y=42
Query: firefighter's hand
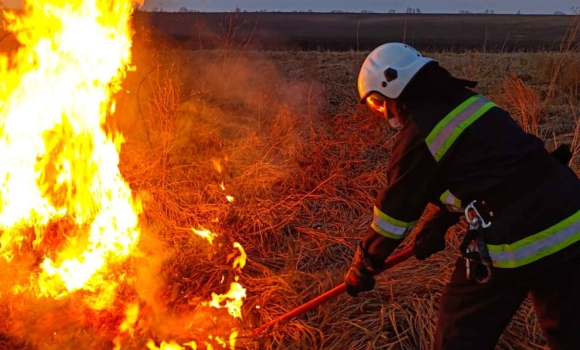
x=358, y=280
x=360, y=277
x=428, y=242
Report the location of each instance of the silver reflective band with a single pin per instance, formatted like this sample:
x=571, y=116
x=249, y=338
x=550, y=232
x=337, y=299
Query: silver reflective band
x=453, y=209
x=390, y=228
x=532, y=251
x=451, y=199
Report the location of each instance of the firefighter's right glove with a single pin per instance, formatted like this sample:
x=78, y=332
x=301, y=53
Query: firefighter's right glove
x=360, y=277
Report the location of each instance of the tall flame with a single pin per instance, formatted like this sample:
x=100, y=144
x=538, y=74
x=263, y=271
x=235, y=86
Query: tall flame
x=58, y=162
x=61, y=190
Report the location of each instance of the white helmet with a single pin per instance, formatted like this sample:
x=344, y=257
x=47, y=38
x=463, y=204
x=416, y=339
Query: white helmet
x=386, y=71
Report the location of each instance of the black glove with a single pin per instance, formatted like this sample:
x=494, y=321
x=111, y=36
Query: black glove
x=563, y=154
x=431, y=236
x=428, y=242
x=360, y=277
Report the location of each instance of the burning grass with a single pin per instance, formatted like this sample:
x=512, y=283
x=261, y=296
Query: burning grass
x=269, y=156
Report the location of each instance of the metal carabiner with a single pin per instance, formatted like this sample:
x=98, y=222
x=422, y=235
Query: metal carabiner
x=475, y=221
x=474, y=250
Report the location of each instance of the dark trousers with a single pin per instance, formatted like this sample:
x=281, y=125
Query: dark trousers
x=473, y=315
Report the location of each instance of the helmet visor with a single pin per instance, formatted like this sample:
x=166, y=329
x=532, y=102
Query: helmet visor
x=377, y=103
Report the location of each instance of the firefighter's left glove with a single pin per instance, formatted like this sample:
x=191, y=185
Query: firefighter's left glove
x=431, y=236
x=429, y=241
x=360, y=277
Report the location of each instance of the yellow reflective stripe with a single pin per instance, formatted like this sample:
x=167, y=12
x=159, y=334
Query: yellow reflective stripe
x=446, y=132
x=387, y=234
x=535, y=247
x=439, y=127
x=391, y=220
x=459, y=130
x=448, y=198
x=390, y=227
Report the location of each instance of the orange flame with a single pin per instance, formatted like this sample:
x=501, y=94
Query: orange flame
x=132, y=313
x=128, y=325
x=233, y=299
x=57, y=160
x=217, y=165
x=233, y=337
x=60, y=164
x=205, y=233
x=221, y=342
x=192, y=345
x=240, y=261
x=170, y=346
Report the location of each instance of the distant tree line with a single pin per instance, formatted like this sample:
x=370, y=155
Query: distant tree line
x=486, y=12
x=410, y=10
x=492, y=12
x=185, y=9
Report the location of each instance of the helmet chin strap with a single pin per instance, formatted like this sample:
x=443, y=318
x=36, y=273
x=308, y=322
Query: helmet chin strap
x=391, y=119
x=393, y=123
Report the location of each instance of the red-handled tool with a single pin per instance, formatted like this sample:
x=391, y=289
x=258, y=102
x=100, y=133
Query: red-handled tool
x=333, y=293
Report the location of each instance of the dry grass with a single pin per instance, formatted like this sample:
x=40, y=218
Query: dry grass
x=304, y=162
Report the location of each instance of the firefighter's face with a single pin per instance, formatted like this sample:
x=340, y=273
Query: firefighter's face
x=385, y=108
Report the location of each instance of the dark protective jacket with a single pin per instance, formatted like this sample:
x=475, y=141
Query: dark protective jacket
x=450, y=155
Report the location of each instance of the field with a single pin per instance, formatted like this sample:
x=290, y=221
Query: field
x=304, y=162
x=351, y=31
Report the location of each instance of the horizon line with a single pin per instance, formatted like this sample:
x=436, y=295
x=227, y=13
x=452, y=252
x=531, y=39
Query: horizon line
x=363, y=11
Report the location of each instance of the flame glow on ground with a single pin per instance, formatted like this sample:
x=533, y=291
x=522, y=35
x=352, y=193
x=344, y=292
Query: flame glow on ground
x=61, y=190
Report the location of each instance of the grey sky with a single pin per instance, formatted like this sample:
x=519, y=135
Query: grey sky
x=448, y=6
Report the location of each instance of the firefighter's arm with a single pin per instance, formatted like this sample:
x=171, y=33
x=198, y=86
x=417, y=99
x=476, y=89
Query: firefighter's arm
x=431, y=232
x=429, y=240
x=411, y=175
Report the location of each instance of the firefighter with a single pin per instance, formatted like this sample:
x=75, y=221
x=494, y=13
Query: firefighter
x=457, y=154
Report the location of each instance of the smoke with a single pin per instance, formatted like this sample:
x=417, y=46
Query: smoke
x=171, y=5
x=11, y=4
